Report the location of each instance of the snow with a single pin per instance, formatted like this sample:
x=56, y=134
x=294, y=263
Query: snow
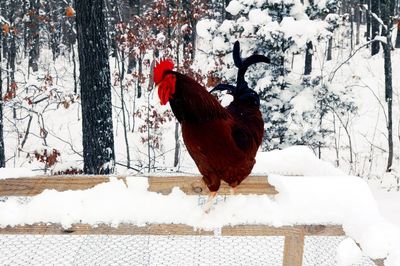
x=393, y=259
x=296, y=160
x=257, y=16
x=382, y=39
x=234, y=7
x=389, y=204
x=204, y=27
x=348, y=253
x=219, y=44
x=116, y=202
x=303, y=30
x=3, y=20
x=15, y=172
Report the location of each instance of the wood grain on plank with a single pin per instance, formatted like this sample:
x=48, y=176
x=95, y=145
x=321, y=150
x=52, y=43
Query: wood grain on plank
x=191, y=185
x=171, y=229
x=195, y=186
x=293, y=250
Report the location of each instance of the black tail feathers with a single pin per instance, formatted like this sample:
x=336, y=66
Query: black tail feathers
x=242, y=91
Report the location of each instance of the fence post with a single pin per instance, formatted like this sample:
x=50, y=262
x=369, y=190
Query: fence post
x=293, y=250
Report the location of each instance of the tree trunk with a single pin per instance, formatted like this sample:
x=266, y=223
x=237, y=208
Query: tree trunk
x=308, y=61
x=2, y=148
x=12, y=56
x=345, y=7
x=54, y=28
x=387, y=13
x=121, y=70
x=358, y=16
x=97, y=126
x=177, y=144
x=3, y=9
x=12, y=51
x=140, y=73
x=26, y=31
x=397, y=45
x=226, y=15
x=34, y=35
x=330, y=44
x=375, y=27
x=189, y=37
x=134, y=8
x=351, y=28
x=74, y=69
x=368, y=18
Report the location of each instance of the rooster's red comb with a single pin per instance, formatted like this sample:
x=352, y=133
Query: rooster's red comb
x=160, y=68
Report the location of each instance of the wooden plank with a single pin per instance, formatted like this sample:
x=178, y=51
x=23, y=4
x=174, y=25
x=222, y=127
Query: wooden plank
x=171, y=229
x=122, y=229
x=191, y=185
x=293, y=250
x=34, y=185
x=263, y=230
x=194, y=185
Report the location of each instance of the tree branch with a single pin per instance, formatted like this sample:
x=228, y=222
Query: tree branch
x=351, y=56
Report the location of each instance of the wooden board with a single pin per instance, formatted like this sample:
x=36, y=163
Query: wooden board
x=293, y=250
x=191, y=185
x=175, y=229
x=195, y=186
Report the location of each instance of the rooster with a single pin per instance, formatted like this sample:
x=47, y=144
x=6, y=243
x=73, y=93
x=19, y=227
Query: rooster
x=222, y=141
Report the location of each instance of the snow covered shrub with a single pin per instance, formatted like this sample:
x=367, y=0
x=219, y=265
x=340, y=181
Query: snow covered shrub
x=320, y=109
x=275, y=28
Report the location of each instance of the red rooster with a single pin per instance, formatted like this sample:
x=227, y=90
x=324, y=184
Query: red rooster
x=222, y=141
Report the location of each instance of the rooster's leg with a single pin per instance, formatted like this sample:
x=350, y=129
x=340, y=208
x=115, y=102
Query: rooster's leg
x=233, y=190
x=210, y=201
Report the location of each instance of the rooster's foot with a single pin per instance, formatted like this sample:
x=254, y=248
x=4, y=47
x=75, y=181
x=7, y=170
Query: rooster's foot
x=210, y=201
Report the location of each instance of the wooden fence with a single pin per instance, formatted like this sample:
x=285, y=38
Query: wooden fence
x=191, y=185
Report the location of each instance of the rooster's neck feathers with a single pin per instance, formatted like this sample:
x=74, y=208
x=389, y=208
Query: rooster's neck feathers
x=192, y=103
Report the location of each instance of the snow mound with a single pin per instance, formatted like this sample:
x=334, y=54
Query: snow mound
x=296, y=160
x=348, y=253
x=15, y=172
